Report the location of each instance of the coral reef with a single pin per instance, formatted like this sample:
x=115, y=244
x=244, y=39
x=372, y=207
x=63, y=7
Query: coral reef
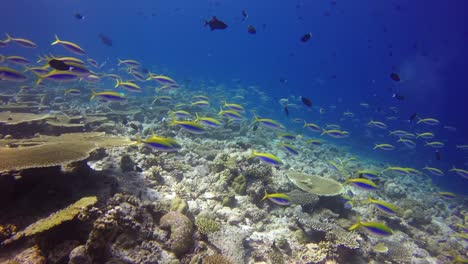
x=54, y=219
x=181, y=231
x=206, y=225
x=314, y=184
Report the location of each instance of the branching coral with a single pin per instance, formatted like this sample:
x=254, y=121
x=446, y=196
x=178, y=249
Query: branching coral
x=333, y=232
x=54, y=219
x=206, y=225
x=48, y=151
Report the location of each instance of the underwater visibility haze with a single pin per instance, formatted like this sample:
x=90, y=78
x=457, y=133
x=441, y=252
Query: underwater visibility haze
x=215, y=132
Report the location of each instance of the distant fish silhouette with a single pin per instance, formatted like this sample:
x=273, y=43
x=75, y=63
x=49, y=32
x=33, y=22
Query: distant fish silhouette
x=105, y=40
x=251, y=29
x=306, y=37
x=215, y=23
x=79, y=16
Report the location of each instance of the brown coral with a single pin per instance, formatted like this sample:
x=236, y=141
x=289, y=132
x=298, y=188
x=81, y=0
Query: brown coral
x=315, y=184
x=9, y=118
x=48, y=151
x=181, y=231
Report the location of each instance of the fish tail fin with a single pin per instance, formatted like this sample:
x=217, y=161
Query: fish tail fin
x=324, y=132
x=93, y=94
x=8, y=38
x=356, y=225
x=57, y=40
x=252, y=155
x=138, y=139
x=376, y=146
x=39, y=79
x=117, y=83
x=197, y=117
x=266, y=195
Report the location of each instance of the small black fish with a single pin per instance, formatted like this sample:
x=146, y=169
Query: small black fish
x=244, y=15
x=412, y=117
x=282, y=80
x=105, y=40
x=79, y=16
x=255, y=127
x=286, y=111
x=438, y=155
x=251, y=29
x=59, y=65
x=306, y=37
x=138, y=169
x=132, y=125
x=125, y=122
x=398, y=96
x=394, y=76
x=215, y=23
x=306, y=101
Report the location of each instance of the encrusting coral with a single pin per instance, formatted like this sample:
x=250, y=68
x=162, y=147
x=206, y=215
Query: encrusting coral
x=181, y=231
x=54, y=219
x=48, y=151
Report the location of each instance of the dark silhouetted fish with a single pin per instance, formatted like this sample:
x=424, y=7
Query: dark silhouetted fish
x=286, y=111
x=255, y=127
x=398, y=96
x=244, y=15
x=438, y=155
x=105, y=40
x=412, y=117
x=79, y=16
x=59, y=65
x=251, y=29
x=215, y=23
x=306, y=101
x=394, y=76
x=306, y=37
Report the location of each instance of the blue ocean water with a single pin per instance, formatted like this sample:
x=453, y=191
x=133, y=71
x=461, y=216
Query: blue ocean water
x=354, y=48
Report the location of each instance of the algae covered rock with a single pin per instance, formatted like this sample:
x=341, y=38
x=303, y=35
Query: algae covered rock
x=179, y=205
x=239, y=184
x=314, y=184
x=181, y=229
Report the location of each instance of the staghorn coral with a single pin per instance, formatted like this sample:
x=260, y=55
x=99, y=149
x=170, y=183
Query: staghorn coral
x=314, y=184
x=206, y=225
x=48, y=151
x=181, y=231
x=332, y=231
x=216, y=259
x=54, y=219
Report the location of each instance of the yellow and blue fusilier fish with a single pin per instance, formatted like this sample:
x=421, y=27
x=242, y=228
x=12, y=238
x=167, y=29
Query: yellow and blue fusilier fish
x=72, y=92
x=289, y=148
x=128, y=63
x=287, y=136
x=180, y=114
x=398, y=170
x=160, y=143
x=69, y=46
x=384, y=146
x=201, y=103
x=312, y=127
x=461, y=172
x=377, y=124
x=335, y=133
x=425, y=135
x=362, y=183
x=368, y=174
x=11, y=75
x=461, y=147
x=434, y=171
x=20, y=41
x=108, y=96
x=189, y=126
x=398, y=133
x=383, y=206
x=162, y=99
x=447, y=195
x=58, y=76
x=435, y=144
x=235, y=107
x=130, y=86
x=163, y=80
x=38, y=70
x=407, y=142
x=270, y=123
x=208, y=121
x=165, y=88
x=231, y=114
x=375, y=228
x=92, y=62
x=200, y=97
x=277, y=198
x=428, y=121
x=19, y=60
x=314, y=142
x=266, y=157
